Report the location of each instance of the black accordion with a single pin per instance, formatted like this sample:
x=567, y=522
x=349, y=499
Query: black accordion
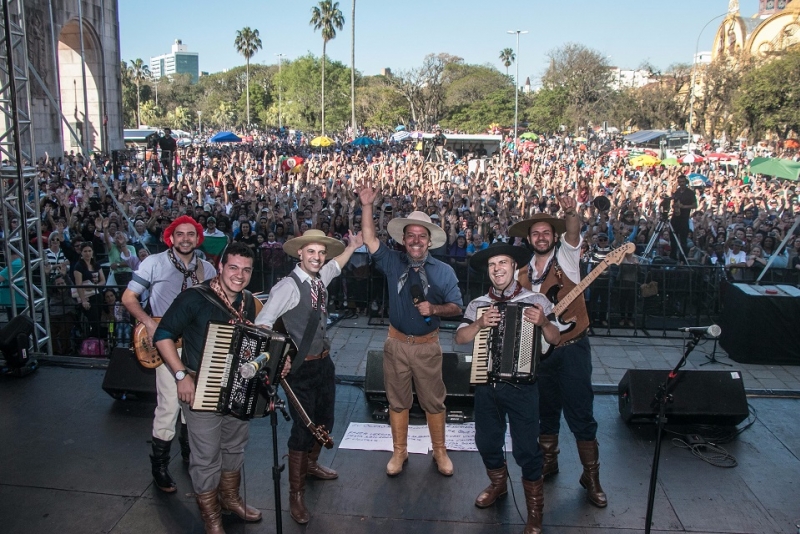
x=220, y=387
x=508, y=352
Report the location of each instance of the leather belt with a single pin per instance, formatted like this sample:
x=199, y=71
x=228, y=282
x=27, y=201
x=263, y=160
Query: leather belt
x=394, y=333
x=574, y=340
x=320, y=356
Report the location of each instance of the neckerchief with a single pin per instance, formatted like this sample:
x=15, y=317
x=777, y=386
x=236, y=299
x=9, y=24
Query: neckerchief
x=238, y=315
x=539, y=280
x=508, y=293
x=318, y=299
x=183, y=270
x=420, y=266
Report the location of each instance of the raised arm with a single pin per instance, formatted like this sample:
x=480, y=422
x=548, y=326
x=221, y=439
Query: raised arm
x=367, y=195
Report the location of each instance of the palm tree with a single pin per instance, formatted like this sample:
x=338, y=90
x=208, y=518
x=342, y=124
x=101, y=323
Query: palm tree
x=353, y=67
x=139, y=72
x=328, y=18
x=508, y=57
x=247, y=43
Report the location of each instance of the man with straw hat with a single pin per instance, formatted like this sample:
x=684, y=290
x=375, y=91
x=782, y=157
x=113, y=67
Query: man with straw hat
x=421, y=290
x=565, y=377
x=498, y=399
x=299, y=299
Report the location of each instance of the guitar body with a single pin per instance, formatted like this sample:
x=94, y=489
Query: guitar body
x=147, y=353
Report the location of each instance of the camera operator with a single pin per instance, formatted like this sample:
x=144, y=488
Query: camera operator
x=439, y=142
x=169, y=148
x=683, y=202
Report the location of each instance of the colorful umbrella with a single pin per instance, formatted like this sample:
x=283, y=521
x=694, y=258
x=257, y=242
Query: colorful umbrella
x=226, y=137
x=669, y=162
x=650, y=152
x=645, y=160
x=688, y=159
x=781, y=168
x=399, y=136
x=321, y=141
x=529, y=135
x=416, y=135
x=717, y=156
x=619, y=153
x=364, y=141
x=399, y=128
x=698, y=180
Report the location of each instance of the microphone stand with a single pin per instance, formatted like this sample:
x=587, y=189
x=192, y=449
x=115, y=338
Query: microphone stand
x=662, y=397
x=275, y=404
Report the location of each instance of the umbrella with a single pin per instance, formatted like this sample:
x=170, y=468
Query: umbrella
x=529, y=135
x=364, y=141
x=717, y=156
x=618, y=153
x=399, y=128
x=321, y=141
x=698, y=180
x=399, y=136
x=644, y=160
x=650, y=152
x=226, y=137
x=780, y=168
x=791, y=143
x=669, y=162
x=416, y=135
x=692, y=158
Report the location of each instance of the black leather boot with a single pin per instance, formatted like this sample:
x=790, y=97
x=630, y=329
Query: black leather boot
x=159, y=462
x=183, y=439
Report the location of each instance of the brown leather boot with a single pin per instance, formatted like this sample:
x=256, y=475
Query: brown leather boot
x=534, y=498
x=549, y=445
x=316, y=470
x=231, y=501
x=399, y=423
x=298, y=466
x=436, y=427
x=498, y=486
x=210, y=511
x=590, y=479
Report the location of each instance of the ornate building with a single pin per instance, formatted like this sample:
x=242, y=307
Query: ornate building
x=773, y=29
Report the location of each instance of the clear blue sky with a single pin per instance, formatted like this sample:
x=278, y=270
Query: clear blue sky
x=398, y=34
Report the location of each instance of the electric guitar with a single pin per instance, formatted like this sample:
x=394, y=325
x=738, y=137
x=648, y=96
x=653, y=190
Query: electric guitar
x=318, y=431
x=146, y=352
x=614, y=257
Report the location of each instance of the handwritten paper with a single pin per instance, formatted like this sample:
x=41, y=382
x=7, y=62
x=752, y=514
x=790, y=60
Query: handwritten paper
x=378, y=437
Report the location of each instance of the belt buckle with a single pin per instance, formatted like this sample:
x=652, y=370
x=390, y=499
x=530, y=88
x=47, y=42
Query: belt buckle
x=409, y=339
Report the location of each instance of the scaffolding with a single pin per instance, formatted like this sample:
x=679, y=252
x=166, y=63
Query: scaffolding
x=19, y=180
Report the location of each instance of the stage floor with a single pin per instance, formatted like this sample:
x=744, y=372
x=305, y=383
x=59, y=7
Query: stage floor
x=76, y=461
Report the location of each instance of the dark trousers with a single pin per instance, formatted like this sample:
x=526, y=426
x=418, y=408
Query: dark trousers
x=314, y=384
x=520, y=403
x=681, y=227
x=565, y=384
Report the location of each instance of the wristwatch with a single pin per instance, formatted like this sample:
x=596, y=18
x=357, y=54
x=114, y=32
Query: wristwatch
x=180, y=375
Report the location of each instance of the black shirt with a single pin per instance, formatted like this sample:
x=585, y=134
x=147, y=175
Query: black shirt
x=168, y=146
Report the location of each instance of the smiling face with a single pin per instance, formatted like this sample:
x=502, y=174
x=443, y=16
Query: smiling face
x=234, y=274
x=501, y=271
x=417, y=240
x=184, y=239
x=312, y=258
x=542, y=238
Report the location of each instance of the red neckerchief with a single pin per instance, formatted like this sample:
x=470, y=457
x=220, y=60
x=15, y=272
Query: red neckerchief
x=508, y=293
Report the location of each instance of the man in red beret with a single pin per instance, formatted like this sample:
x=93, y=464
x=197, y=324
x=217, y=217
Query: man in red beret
x=164, y=276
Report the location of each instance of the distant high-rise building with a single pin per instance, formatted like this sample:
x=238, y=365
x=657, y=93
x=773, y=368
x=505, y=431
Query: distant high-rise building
x=179, y=61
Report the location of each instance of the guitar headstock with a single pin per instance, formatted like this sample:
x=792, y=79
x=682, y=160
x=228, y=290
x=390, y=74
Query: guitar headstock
x=322, y=436
x=618, y=254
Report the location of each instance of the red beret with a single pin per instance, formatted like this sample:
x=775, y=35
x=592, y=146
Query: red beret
x=183, y=219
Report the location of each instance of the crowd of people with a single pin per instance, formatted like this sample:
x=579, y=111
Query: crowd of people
x=101, y=218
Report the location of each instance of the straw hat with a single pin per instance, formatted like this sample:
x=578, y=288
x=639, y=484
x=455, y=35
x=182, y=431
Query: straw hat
x=396, y=227
x=334, y=246
x=480, y=260
x=522, y=228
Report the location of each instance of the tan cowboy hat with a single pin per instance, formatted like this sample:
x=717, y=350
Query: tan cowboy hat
x=396, y=227
x=522, y=228
x=334, y=246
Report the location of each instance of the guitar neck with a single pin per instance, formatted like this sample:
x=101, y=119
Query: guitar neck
x=562, y=305
x=296, y=403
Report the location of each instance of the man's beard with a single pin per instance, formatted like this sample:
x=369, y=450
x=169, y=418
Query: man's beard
x=545, y=252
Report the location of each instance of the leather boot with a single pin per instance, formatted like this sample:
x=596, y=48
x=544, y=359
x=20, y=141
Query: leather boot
x=498, y=487
x=549, y=445
x=231, y=501
x=436, y=426
x=534, y=498
x=298, y=467
x=590, y=479
x=399, y=423
x=159, y=462
x=316, y=470
x=183, y=439
x=210, y=511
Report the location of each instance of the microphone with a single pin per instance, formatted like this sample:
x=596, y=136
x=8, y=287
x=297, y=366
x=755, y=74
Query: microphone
x=249, y=370
x=712, y=331
x=417, y=295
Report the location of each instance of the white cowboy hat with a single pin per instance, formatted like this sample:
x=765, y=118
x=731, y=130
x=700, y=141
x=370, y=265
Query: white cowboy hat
x=397, y=226
x=334, y=246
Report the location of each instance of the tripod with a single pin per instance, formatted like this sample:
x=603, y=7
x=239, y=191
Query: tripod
x=713, y=357
x=275, y=404
x=663, y=221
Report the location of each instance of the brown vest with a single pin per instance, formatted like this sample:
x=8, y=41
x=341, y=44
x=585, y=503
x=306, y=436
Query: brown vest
x=576, y=310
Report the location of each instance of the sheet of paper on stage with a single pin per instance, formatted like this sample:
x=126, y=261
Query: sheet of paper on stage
x=378, y=437
x=461, y=437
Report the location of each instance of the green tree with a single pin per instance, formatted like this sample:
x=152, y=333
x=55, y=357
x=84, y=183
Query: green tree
x=507, y=57
x=546, y=111
x=476, y=96
x=379, y=105
x=327, y=18
x=301, y=96
x=247, y=43
x=139, y=72
x=424, y=88
x=353, y=67
x=129, y=113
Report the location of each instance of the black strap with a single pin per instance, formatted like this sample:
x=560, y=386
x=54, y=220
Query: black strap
x=213, y=298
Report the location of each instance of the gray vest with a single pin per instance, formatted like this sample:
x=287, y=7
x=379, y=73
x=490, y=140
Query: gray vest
x=296, y=319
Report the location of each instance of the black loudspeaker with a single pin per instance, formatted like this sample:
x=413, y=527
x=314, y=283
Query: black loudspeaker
x=125, y=376
x=15, y=341
x=455, y=372
x=700, y=397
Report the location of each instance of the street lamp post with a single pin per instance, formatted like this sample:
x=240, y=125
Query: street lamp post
x=200, y=122
x=694, y=74
x=516, y=87
x=280, y=91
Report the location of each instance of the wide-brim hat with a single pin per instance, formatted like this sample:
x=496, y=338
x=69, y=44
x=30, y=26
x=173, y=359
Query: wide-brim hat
x=480, y=260
x=396, y=227
x=334, y=246
x=522, y=228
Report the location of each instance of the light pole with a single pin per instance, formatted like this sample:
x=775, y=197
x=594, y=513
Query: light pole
x=516, y=87
x=199, y=123
x=280, y=91
x=694, y=74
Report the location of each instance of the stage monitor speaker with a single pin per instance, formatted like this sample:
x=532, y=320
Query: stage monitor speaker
x=15, y=341
x=455, y=372
x=125, y=376
x=699, y=397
